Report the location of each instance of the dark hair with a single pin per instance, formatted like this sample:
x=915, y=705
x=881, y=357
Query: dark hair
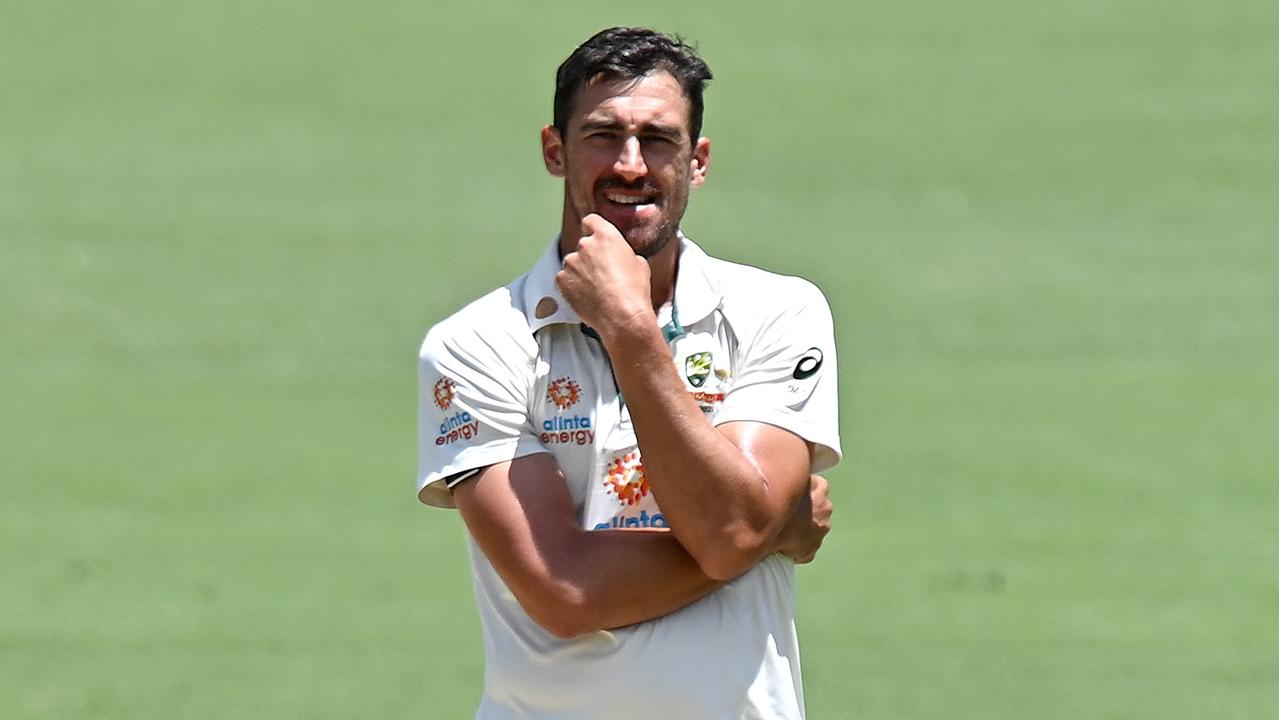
x=627, y=53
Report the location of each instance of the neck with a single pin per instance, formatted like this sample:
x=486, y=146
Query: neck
x=663, y=268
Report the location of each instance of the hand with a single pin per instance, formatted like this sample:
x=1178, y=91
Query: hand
x=800, y=539
x=604, y=281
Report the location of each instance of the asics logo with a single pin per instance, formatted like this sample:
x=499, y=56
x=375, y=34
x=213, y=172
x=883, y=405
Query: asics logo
x=808, y=365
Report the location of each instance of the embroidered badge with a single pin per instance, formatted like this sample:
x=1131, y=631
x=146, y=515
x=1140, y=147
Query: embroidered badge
x=697, y=367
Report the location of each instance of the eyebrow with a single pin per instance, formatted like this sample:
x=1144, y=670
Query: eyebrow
x=668, y=131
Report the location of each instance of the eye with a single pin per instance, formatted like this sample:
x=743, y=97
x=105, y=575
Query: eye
x=659, y=140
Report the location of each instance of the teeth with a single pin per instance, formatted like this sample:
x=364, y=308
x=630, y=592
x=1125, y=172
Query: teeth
x=625, y=199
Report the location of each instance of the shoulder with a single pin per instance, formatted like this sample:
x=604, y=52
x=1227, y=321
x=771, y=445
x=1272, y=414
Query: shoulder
x=752, y=296
x=746, y=284
x=494, y=325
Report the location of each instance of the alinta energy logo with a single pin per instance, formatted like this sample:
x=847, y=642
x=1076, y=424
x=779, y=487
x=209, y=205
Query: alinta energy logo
x=627, y=482
x=564, y=392
x=443, y=393
x=461, y=426
x=626, y=479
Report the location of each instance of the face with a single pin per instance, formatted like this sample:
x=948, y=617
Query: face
x=628, y=156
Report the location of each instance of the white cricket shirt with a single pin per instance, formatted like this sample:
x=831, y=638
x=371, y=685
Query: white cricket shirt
x=514, y=373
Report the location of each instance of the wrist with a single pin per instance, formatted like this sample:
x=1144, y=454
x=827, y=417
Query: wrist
x=630, y=328
x=784, y=543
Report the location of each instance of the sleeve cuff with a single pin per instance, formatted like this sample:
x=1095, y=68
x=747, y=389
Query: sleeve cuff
x=826, y=450
x=434, y=487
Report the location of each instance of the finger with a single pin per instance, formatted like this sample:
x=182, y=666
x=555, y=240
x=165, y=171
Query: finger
x=817, y=485
x=595, y=225
x=819, y=495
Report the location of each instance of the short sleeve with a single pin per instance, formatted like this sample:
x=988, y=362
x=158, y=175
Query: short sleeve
x=785, y=373
x=474, y=382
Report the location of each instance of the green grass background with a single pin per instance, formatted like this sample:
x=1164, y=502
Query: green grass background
x=1047, y=230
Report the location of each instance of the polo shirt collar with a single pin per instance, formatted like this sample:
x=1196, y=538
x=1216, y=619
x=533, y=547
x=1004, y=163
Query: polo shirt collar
x=697, y=294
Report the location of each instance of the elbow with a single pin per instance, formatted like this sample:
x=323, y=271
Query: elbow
x=563, y=614
x=727, y=547
x=729, y=557
x=724, y=567
x=564, y=627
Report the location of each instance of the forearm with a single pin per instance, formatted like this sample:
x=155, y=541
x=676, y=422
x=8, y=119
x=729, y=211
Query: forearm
x=726, y=493
x=716, y=498
x=568, y=579
x=626, y=576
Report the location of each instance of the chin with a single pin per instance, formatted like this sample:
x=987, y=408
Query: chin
x=648, y=245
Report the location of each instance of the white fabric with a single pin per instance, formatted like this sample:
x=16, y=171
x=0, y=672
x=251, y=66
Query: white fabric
x=498, y=382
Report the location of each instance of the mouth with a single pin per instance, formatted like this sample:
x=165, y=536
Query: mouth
x=622, y=199
x=635, y=199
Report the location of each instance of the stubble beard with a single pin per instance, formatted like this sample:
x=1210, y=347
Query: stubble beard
x=665, y=232
x=647, y=241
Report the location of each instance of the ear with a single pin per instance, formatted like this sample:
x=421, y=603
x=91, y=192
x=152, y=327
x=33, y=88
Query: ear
x=553, y=151
x=701, y=162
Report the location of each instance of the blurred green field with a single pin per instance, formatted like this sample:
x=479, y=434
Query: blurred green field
x=1048, y=233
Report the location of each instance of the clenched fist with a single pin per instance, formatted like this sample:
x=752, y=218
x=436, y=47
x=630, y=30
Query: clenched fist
x=604, y=281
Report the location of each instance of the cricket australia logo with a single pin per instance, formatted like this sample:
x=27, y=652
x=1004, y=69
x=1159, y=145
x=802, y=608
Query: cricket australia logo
x=564, y=392
x=697, y=367
x=443, y=393
x=626, y=479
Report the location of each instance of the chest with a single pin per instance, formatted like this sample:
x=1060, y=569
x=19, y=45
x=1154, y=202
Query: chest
x=581, y=418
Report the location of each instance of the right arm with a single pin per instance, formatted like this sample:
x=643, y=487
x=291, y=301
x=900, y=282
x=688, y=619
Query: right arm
x=570, y=580
x=573, y=581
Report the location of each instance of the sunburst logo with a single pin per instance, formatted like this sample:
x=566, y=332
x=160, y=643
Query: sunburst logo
x=443, y=393
x=564, y=392
x=626, y=479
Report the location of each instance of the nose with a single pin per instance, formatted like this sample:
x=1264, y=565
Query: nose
x=630, y=163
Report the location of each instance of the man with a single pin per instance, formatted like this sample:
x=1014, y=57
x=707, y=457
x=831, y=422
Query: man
x=628, y=430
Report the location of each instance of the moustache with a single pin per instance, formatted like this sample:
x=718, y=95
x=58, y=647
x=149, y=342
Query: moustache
x=639, y=186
